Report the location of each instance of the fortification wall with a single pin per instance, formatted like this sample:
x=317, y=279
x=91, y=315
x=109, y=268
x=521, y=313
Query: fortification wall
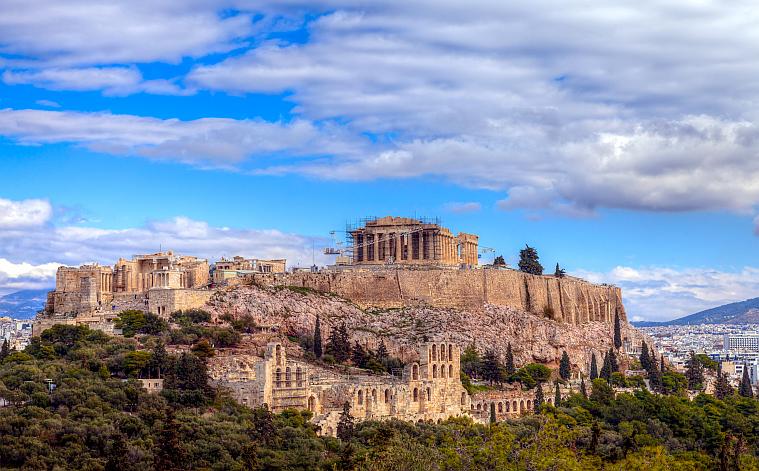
x=165, y=301
x=567, y=300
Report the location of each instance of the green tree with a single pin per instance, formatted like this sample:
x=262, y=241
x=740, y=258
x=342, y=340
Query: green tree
x=492, y=413
x=135, y=362
x=613, y=363
x=203, y=349
x=593, y=367
x=4, y=350
x=509, y=363
x=655, y=379
x=499, y=261
x=471, y=362
x=602, y=393
x=338, y=344
x=559, y=272
x=557, y=396
x=529, y=261
x=491, y=368
x=606, y=368
x=345, y=426
x=645, y=357
x=617, y=332
x=694, y=372
x=159, y=360
x=359, y=356
x=583, y=389
x=130, y=321
x=539, y=398
x=745, y=389
x=169, y=453
x=565, y=368
x=318, y=338
x=382, y=353
x=723, y=390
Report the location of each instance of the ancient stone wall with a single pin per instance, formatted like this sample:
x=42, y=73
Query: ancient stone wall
x=567, y=299
x=165, y=301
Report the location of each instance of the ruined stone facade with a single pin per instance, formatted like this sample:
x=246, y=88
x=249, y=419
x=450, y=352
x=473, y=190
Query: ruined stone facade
x=428, y=389
x=158, y=270
x=226, y=269
x=407, y=241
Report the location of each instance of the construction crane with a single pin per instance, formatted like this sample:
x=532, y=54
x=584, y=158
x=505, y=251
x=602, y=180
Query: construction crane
x=337, y=245
x=483, y=250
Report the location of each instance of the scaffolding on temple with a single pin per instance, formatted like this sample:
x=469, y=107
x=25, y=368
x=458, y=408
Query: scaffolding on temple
x=425, y=247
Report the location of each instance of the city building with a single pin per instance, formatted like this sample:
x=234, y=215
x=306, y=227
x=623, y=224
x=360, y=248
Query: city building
x=746, y=342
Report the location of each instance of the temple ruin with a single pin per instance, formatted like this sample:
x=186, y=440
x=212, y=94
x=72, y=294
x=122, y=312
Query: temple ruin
x=224, y=269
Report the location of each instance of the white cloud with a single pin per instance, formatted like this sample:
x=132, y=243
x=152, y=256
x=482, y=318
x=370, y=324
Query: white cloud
x=463, y=208
x=48, y=103
x=23, y=214
x=662, y=293
x=217, y=142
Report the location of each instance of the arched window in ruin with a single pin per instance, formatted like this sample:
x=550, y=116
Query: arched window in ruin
x=514, y=408
x=434, y=352
x=463, y=398
x=279, y=354
x=415, y=372
x=312, y=404
x=278, y=377
x=416, y=395
x=429, y=394
x=434, y=371
x=450, y=352
x=360, y=397
x=442, y=352
x=299, y=377
x=387, y=396
x=521, y=406
x=479, y=406
x=528, y=405
x=288, y=377
x=500, y=407
x=507, y=406
x=442, y=371
x=550, y=401
x=450, y=371
x=374, y=395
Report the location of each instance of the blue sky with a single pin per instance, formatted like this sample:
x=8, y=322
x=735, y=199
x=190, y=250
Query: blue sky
x=226, y=127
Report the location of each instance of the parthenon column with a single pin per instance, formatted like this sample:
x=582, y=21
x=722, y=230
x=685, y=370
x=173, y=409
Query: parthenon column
x=398, y=250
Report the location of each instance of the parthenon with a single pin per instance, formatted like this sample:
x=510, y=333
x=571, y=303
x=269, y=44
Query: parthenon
x=409, y=241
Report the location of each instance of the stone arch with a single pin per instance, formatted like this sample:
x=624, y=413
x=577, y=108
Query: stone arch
x=415, y=372
x=360, y=397
x=434, y=352
x=550, y=401
x=278, y=377
x=288, y=377
x=450, y=352
x=416, y=395
x=507, y=406
x=514, y=408
x=500, y=407
x=479, y=406
x=278, y=351
x=312, y=403
x=429, y=394
x=442, y=371
x=529, y=404
x=521, y=406
x=374, y=396
x=442, y=352
x=463, y=398
x=434, y=371
x=450, y=371
x=387, y=396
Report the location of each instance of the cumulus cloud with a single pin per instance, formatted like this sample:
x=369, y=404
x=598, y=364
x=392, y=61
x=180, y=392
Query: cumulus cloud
x=18, y=276
x=663, y=293
x=217, y=142
x=24, y=214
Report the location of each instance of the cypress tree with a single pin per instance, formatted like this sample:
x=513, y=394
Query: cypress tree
x=4, y=350
x=359, y=355
x=617, y=332
x=593, y=367
x=345, y=341
x=654, y=377
x=382, y=350
x=694, y=372
x=663, y=365
x=645, y=358
x=560, y=272
x=746, y=390
x=723, y=389
x=613, y=364
x=492, y=412
x=318, y=338
x=539, y=399
x=159, y=360
x=170, y=452
x=509, y=366
x=491, y=368
x=345, y=426
x=606, y=368
x=583, y=390
x=565, y=369
x=557, y=396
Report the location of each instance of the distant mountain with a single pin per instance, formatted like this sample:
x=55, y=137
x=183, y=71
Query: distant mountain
x=742, y=312
x=22, y=304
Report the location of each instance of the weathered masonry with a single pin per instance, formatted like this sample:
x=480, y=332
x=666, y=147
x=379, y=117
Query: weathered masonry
x=224, y=269
x=408, y=241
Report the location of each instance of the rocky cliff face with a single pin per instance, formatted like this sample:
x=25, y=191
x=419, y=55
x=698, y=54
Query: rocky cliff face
x=568, y=300
x=533, y=337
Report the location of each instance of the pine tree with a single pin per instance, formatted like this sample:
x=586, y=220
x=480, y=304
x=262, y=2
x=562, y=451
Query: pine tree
x=4, y=350
x=318, y=338
x=499, y=261
x=565, y=369
x=593, y=367
x=746, y=390
x=645, y=358
x=539, y=399
x=345, y=341
x=583, y=390
x=159, y=360
x=557, y=396
x=359, y=355
x=723, y=389
x=345, y=426
x=529, y=261
x=491, y=367
x=560, y=272
x=169, y=454
x=694, y=372
x=606, y=368
x=654, y=377
x=492, y=412
x=509, y=365
x=382, y=350
x=338, y=344
x=617, y=332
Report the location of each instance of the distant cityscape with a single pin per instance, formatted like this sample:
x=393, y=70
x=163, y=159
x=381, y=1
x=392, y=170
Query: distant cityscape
x=16, y=332
x=736, y=346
